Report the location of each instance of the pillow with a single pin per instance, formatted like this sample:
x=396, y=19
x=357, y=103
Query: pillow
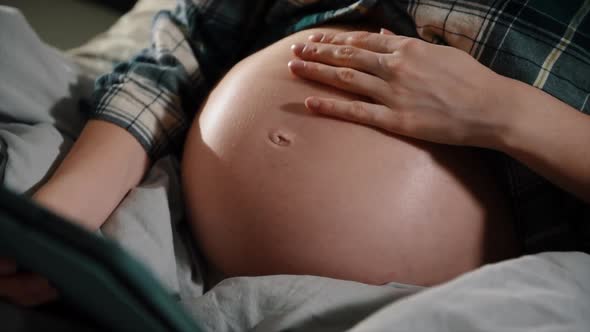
x=129, y=35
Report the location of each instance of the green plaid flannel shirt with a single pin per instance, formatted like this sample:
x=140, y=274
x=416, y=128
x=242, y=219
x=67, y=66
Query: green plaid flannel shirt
x=541, y=42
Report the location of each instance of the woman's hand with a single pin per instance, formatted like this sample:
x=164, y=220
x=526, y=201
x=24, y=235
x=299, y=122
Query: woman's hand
x=441, y=94
x=426, y=91
x=23, y=288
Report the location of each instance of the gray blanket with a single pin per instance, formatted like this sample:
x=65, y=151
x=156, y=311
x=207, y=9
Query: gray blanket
x=40, y=94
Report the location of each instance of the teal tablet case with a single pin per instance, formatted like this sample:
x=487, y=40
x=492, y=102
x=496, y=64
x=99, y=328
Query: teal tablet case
x=91, y=273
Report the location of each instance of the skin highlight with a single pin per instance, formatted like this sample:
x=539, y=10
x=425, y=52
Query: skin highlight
x=266, y=175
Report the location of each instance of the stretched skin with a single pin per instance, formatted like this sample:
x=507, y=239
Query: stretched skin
x=274, y=189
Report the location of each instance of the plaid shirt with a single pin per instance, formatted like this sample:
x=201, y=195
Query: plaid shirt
x=543, y=43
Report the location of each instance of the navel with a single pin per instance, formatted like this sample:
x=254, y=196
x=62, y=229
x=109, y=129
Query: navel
x=280, y=137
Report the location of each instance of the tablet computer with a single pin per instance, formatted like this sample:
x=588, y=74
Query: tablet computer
x=91, y=273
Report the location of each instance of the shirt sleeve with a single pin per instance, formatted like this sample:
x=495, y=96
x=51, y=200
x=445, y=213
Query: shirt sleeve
x=155, y=94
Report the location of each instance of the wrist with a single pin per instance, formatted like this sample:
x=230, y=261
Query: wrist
x=54, y=196
x=505, y=112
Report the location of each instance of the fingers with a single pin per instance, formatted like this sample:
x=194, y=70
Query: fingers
x=342, y=56
x=7, y=267
x=346, y=79
x=27, y=289
x=356, y=111
x=376, y=42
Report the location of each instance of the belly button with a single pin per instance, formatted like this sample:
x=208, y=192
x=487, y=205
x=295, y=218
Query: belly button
x=280, y=138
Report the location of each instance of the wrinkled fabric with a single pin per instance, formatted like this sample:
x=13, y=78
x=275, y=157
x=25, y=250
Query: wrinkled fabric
x=547, y=292
x=40, y=95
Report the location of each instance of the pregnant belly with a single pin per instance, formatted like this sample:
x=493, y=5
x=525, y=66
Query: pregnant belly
x=274, y=189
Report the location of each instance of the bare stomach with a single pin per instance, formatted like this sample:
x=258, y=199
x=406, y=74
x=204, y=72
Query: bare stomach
x=274, y=189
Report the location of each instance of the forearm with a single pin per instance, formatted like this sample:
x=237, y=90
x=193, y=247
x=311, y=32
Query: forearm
x=103, y=165
x=147, y=97
x=548, y=136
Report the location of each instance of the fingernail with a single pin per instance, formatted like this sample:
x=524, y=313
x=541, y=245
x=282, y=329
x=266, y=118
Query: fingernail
x=316, y=37
x=297, y=48
x=312, y=103
x=384, y=31
x=296, y=64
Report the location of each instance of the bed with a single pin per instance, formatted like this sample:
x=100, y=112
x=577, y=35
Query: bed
x=39, y=120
